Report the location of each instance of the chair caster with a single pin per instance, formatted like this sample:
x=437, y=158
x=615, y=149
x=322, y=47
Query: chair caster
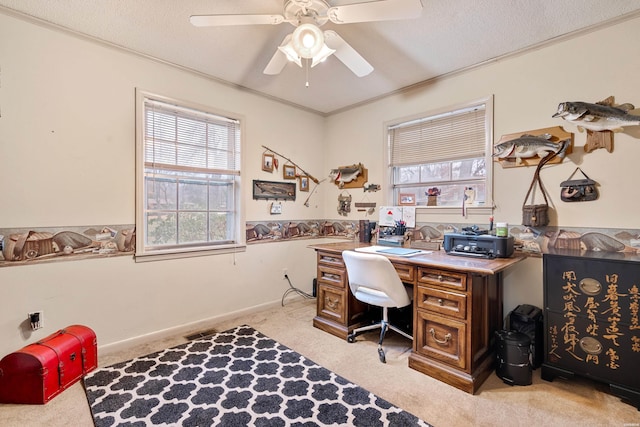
x=351, y=338
x=381, y=355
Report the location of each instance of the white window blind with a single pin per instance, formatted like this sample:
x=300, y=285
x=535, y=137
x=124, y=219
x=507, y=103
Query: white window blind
x=177, y=138
x=453, y=135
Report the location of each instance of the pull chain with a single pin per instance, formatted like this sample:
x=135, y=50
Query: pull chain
x=306, y=68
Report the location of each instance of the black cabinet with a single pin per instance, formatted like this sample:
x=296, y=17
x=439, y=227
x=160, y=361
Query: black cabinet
x=591, y=319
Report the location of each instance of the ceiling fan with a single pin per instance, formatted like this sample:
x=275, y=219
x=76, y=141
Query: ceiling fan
x=307, y=41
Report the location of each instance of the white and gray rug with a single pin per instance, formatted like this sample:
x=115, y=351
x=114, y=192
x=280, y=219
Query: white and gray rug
x=238, y=377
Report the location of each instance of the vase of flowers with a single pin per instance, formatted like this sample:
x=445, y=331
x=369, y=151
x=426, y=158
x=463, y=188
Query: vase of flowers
x=432, y=196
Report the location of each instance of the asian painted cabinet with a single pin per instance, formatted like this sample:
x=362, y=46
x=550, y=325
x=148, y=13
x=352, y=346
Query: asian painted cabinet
x=592, y=323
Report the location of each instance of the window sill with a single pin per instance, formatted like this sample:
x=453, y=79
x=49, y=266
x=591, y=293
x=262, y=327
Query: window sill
x=172, y=254
x=475, y=210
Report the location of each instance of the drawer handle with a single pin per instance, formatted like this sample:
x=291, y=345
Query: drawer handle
x=590, y=345
x=330, y=303
x=440, y=301
x=590, y=286
x=441, y=342
x=440, y=278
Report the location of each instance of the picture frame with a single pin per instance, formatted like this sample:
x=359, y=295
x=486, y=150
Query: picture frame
x=304, y=183
x=407, y=199
x=276, y=208
x=267, y=162
x=274, y=190
x=289, y=172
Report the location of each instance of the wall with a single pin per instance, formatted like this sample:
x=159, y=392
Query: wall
x=67, y=158
x=67, y=147
x=527, y=89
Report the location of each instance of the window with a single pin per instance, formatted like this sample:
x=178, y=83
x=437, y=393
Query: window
x=188, y=174
x=450, y=150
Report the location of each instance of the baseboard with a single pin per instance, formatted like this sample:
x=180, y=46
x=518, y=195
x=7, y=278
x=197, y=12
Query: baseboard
x=184, y=329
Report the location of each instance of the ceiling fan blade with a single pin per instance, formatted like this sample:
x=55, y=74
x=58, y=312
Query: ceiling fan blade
x=224, y=20
x=348, y=55
x=277, y=63
x=279, y=59
x=383, y=10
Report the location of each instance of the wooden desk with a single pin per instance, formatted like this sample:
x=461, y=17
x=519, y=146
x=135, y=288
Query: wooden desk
x=457, y=307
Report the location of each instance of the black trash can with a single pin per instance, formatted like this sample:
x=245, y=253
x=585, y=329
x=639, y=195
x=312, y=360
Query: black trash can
x=527, y=319
x=513, y=355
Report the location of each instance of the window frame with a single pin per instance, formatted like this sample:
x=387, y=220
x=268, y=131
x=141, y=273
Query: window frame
x=488, y=206
x=145, y=252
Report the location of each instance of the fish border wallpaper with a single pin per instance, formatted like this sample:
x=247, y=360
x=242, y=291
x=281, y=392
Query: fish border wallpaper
x=77, y=243
x=48, y=244
x=533, y=241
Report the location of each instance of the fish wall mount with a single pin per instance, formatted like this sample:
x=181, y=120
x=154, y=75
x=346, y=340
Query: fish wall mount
x=601, y=120
x=352, y=176
x=527, y=148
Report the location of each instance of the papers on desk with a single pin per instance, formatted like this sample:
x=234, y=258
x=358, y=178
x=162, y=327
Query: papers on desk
x=389, y=216
x=385, y=250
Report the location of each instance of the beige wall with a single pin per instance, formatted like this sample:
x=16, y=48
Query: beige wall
x=67, y=147
x=527, y=89
x=67, y=159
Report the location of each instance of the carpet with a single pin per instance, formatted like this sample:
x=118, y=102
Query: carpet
x=239, y=377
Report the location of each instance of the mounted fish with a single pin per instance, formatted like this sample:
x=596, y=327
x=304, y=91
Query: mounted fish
x=526, y=146
x=353, y=176
x=597, y=117
x=530, y=146
x=600, y=120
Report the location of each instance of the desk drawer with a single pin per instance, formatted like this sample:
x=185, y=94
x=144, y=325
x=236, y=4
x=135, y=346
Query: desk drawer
x=331, y=260
x=442, y=278
x=407, y=273
x=332, y=303
x=441, y=302
x=440, y=338
x=331, y=276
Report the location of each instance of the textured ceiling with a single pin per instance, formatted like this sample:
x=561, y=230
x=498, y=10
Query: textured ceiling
x=450, y=35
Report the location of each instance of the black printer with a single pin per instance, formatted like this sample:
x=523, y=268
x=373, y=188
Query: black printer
x=478, y=245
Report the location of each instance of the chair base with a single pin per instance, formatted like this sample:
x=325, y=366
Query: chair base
x=383, y=325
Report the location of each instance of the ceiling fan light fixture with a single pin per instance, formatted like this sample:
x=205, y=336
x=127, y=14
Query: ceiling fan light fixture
x=324, y=53
x=291, y=54
x=307, y=40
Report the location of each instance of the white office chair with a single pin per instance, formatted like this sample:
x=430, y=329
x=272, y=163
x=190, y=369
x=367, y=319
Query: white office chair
x=374, y=280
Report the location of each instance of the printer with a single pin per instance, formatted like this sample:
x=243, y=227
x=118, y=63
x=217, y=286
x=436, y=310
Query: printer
x=478, y=245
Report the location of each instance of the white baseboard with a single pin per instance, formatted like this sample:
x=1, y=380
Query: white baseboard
x=185, y=329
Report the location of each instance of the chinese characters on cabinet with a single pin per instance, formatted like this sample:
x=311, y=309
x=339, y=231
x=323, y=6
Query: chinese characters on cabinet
x=600, y=339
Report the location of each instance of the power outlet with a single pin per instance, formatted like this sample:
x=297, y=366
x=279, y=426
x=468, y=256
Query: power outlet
x=36, y=319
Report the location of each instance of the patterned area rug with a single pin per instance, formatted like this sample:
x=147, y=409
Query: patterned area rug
x=234, y=378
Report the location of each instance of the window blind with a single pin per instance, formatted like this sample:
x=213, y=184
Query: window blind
x=181, y=139
x=453, y=135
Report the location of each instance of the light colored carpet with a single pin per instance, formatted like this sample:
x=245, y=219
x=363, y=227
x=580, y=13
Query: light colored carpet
x=558, y=403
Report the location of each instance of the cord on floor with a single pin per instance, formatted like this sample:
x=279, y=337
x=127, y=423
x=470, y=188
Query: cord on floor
x=294, y=289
